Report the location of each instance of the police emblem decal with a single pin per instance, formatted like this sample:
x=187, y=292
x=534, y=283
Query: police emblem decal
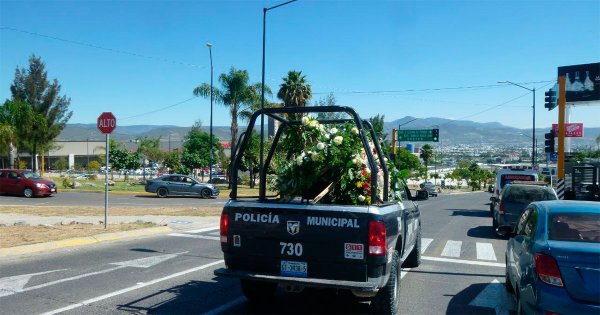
x=293, y=227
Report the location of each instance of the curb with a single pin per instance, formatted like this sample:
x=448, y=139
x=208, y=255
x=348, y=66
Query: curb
x=78, y=241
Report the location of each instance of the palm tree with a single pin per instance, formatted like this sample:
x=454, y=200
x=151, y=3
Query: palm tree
x=235, y=93
x=295, y=90
x=426, y=154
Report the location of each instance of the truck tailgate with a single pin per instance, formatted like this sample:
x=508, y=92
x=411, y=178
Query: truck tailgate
x=300, y=241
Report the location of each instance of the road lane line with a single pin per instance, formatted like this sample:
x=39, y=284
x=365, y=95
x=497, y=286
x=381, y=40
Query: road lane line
x=485, y=251
x=132, y=288
x=425, y=242
x=466, y=262
x=206, y=229
x=452, y=249
x=214, y=238
x=43, y=285
x=226, y=306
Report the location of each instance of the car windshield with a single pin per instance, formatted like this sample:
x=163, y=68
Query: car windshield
x=31, y=175
x=575, y=227
x=527, y=195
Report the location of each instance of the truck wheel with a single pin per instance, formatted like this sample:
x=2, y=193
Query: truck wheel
x=162, y=192
x=28, y=192
x=414, y=258
x=258, y=292
x=387, y=299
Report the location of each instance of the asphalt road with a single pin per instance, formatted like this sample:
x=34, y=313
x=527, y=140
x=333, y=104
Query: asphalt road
x=462, y=273
x=71, y=198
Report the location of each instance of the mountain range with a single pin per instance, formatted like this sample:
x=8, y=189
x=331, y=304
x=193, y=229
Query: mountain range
x=452, y=132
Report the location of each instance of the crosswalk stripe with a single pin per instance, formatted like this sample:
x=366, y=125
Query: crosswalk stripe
x=485, y=251
x=452, y=249
x=425, y=242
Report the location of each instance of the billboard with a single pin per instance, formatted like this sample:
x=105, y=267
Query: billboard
x=583, y=82
x=573, y=130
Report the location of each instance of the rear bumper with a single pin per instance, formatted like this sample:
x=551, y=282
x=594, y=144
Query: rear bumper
x=555, y=299
x=372, y=286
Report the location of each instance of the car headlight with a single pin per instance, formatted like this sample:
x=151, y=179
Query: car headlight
x=40, y=185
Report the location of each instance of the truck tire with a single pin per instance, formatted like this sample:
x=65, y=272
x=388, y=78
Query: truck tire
x=414, y=258
x=387, y=299
x=258, y=292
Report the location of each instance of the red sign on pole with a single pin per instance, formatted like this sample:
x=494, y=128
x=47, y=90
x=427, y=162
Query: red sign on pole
x=572, y=130
x=107, y=123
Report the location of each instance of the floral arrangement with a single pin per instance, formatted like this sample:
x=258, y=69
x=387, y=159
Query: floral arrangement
x=320, y=156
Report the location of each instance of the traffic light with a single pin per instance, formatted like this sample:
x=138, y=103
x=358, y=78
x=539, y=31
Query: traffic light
x=436, y=135
x=550, y=99
x=549, y=142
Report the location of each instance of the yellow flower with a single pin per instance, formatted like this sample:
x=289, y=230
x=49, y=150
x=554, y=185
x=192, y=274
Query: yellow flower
x=358, y=185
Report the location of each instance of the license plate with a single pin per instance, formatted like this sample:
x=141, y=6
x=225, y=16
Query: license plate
x=52, y=190
x=294, y=268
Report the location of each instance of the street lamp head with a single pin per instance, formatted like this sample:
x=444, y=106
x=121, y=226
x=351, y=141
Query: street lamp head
x=209, y=45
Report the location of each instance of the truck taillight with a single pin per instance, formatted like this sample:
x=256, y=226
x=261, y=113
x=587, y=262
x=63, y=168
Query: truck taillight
x=501, y=208
x=224, y=227
x=547, y=270
x=377, y=235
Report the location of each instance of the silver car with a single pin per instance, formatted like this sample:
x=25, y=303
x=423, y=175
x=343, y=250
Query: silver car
x=180, y=185
x=514, y=199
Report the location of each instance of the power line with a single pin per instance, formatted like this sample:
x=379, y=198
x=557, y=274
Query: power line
x=472, y=87
x=101, y=47
x=159, y=109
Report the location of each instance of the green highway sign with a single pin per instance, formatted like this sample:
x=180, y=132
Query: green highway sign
x=427, y=135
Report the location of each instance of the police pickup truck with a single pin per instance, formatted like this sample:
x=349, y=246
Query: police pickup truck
x=312, y=241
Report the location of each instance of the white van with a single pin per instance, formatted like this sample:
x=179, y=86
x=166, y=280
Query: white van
x=507, y=175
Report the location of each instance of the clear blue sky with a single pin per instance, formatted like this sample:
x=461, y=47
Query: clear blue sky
x=155, y=54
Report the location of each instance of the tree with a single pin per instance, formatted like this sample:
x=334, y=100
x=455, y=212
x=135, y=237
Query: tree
x=406, y=160
x=61, y=164
x=235, y=93
x=197, y=149
x=16, y=122
x=295, y=90
x=329, y=100
x=121, y=159
x=378, y=125
x=32, y=87
x=426, y=154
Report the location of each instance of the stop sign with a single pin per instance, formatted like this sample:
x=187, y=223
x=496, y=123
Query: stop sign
x=107, y=123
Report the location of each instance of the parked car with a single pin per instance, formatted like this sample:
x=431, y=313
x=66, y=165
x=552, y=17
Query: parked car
x=430, y=188
x=180, y=185
x=513, y=201
x=26, y=183
x=553, y=260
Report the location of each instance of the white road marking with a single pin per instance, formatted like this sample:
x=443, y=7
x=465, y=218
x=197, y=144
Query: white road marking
x=425, y=242
x=485, y=251
x=466, y=262
x=214, y=238
x=43, y=285
x=147, y=262
x=452, y=249
x=210, y=228
x=13, y=284
x=226, y=306
x=494, y=296
x=132, y=288
x=403, y=272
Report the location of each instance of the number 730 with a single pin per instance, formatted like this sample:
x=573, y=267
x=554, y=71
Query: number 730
x=291, y=249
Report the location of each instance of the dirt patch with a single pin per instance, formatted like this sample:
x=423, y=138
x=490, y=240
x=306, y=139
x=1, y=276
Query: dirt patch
x=114, y=211
x=26, y=234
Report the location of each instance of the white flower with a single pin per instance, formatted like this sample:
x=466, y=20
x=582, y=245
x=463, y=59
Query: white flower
x=355, y=161
x=368, y=170
x=299, y=160
x=355, y=130
x=326, y=135
x=313, y=155
x=338, y=140
x=333, y=131
x=313, y=123
x=361, y=198
x=320, y=146
x=305, y=120
x=321, y=128
x=385, y=159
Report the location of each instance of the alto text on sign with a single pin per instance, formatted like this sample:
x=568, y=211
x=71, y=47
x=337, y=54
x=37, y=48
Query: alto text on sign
x=107, y=123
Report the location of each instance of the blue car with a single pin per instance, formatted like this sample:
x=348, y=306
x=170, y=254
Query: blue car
x=553, y=259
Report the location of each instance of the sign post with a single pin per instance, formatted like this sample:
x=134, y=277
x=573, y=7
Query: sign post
x=106, y=124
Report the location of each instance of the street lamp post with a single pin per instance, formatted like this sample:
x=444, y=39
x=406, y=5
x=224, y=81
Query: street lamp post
x=210, y=162
x=262, y=92
x=533, y=154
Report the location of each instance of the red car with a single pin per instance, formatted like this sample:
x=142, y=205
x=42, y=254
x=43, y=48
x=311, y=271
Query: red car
x=26, y=183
